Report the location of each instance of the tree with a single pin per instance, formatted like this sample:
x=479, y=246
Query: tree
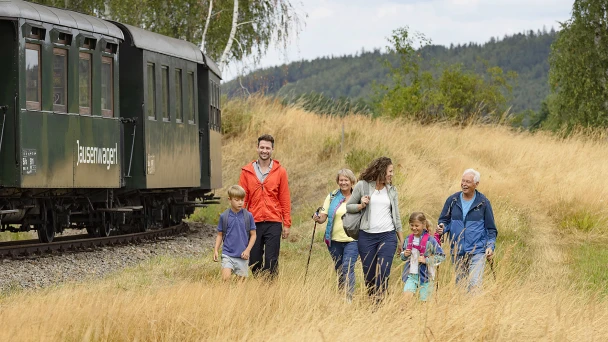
x=450, y=92
x=579, y=67
x=234, y=29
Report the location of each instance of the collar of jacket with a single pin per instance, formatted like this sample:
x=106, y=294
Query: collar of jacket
x=275, y=166
x=479, y=197
x=372, y=187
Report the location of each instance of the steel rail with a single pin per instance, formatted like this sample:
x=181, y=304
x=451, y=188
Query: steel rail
x=80, y=244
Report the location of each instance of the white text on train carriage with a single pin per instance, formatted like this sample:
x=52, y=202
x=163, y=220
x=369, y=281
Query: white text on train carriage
x=97, y=155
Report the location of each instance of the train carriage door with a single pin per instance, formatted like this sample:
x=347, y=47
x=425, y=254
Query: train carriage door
x=203, y=125
x=9, y=65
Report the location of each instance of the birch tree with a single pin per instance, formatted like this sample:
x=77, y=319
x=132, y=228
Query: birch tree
x=226, y=30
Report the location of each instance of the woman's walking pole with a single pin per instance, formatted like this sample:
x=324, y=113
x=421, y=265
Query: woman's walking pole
x=314, y=230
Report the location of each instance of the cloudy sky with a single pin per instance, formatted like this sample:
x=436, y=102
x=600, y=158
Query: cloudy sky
x=338, y=27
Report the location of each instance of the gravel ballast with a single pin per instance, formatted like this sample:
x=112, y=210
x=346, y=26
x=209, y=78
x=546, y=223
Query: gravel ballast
x=47, y=270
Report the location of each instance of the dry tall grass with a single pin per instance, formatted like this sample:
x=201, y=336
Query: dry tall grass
x=548, y=196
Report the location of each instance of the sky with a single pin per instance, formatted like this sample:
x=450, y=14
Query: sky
x=343, y=27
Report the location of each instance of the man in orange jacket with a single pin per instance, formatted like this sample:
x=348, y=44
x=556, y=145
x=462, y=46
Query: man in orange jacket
x=267, y=198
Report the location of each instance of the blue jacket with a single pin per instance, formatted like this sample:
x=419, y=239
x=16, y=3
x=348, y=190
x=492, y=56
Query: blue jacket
x=471, y=234
x=433, y=254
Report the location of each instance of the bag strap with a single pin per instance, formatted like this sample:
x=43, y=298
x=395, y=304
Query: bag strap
x=247, y=220
x=423, y=241
x=409, y=241
x=224, y=218
x=332, y=195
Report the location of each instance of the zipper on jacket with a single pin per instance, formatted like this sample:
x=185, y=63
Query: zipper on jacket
x=464, y=221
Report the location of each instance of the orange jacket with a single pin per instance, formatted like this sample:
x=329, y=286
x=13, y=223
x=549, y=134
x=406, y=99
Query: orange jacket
x=268, y=201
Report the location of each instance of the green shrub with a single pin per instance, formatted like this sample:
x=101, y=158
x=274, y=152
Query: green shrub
x=209, y=215
x=331, y=147
x=358, y=159
x=236, y=118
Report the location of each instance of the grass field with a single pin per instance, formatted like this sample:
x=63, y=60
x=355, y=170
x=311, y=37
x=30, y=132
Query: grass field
x=548, y=196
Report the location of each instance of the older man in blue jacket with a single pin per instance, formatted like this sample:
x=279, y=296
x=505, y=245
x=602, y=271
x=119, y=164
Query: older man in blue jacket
x=468, y=220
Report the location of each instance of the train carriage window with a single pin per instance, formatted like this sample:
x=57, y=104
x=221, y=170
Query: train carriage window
x=191, y=97
x=60, y=77
x=218, y=92
x=179, y=115
x=32, y=75
x=64, y=38
x=164, y=73
x=84, y=83
x=89, y=43
x=151, y=101
x=212, y=97
x=36, y=33
x=107, y=93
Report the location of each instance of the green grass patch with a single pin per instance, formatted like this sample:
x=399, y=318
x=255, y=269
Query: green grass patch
x=514, y=250
x=590, y=265
x=166, y=270
x=8, y=236
x=513, y=244
x=583, y=221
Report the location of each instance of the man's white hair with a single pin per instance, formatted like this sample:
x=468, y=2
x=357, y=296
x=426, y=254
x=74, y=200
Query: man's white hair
x=475, y=173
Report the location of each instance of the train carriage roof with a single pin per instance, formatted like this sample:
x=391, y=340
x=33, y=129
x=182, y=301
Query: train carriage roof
x=56, y=16
x=174, y=47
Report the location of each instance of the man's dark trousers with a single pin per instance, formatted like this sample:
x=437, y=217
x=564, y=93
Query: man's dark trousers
x=267, y=245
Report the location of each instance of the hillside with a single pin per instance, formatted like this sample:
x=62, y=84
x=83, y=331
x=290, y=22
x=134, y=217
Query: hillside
x=352, y=76
x=548, y=199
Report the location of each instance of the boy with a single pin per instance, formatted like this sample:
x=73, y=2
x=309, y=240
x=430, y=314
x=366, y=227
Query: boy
x=236, y=230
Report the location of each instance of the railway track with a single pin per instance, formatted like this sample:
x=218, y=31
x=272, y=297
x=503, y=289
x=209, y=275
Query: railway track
x=78, y=243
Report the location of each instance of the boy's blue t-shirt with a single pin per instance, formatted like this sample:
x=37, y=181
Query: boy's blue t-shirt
x=466, y=205
x=236, y=238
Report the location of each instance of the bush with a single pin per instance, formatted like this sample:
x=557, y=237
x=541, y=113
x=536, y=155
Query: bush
x=236, y=117
x=358, y=159
x=455, y=94
x=209, y=215
x=331, y=147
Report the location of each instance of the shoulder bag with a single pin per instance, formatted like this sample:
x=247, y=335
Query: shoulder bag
x=352, y=221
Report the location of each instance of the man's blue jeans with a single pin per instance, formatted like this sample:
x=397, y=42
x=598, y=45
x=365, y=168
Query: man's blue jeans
x=345, y=256
x=470, y=268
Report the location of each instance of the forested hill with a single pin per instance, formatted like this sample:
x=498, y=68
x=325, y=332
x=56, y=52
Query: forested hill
x=352, y=76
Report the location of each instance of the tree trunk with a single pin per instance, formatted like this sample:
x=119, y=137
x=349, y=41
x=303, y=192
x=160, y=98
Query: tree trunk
x=235, y=19
x=206, y=26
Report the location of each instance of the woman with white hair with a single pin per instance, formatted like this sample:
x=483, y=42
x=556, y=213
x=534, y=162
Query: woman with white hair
x=468, y=220
x=342, y=248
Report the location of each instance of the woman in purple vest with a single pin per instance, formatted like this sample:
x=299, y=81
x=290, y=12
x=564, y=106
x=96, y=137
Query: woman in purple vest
x=342, y=248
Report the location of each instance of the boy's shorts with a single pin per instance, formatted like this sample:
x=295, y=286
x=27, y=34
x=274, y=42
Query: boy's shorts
x=413, y=284
x=239, y=266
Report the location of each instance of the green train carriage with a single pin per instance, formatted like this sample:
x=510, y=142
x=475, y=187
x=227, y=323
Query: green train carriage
x=75, y=151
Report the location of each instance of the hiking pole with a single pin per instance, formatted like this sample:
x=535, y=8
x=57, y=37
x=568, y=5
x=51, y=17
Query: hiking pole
x=311, y=242
x=491, y=261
